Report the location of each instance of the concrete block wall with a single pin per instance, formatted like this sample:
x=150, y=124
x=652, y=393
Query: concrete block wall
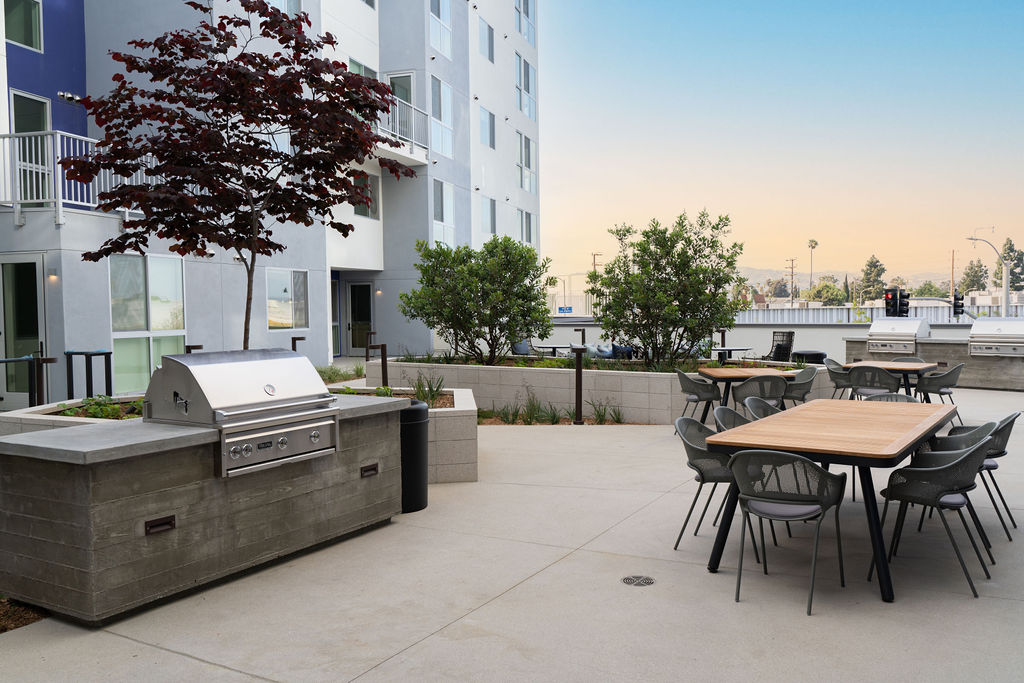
x=643, y=397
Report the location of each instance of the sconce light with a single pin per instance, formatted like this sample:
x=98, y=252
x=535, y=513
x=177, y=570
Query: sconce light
x=432, y=57
x=379, y=292
x=476, y=98
x=51, y=274
x=476, y=188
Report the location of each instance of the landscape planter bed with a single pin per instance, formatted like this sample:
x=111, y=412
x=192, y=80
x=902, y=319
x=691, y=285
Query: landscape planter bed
x=643, y=397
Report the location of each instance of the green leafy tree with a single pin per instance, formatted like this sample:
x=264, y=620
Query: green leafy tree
x=668, y=287
x=1016, y=258
x=899, y=282
x=846, y=287
x=827, y=293
x=778, y=288
x=929, y=288
x=975, y=276
x=481, y=302
x=828, y=277
x=871, y=283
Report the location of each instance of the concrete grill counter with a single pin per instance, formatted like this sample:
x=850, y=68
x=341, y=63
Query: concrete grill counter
x=100, y=519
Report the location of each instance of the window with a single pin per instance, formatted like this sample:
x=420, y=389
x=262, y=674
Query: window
x=357, y=68
x=441, y=26
x=372, y=185
x=291, y=7
x=486, y=128
x=444, y=213
x=524, y=17
x=147, y=312
x=442, y=137
x=287, y=299
x=488, y=216
x=486, y=40
x=527, y=227
x=527, y=164
x=24, y=22
x=526, y=87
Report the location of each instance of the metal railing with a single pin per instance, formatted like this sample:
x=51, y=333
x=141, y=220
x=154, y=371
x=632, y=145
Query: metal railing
x=31, y=175
x=407, y=123
x=831, y=315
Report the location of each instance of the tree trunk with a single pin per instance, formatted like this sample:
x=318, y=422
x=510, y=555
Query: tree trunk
x=250, y=272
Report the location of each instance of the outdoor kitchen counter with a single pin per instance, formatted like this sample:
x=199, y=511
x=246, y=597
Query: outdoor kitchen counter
x=120, y=439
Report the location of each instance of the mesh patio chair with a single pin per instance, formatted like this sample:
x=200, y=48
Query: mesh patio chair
x=944, y=488
x=800, y=387
x=773, y=486
x=940, y=383
x=782, y=347
x=727, y=418
x=840, y=377
x=771, y=388
x=711, y=468
x=870, y=381
x=894, y=397
x=997, y=449
x=759, y=408
x=697, y=391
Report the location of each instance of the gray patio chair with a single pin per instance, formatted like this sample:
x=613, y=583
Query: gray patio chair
x=943, y=488
x=840, y=377
x=940, y=383
x=759, y=408
x=798, y=389
x=727, y=418
x=697, y=391
x=894, y=397
x=773, y=486
x=870, y=381
x=997, y=449
x=711, y=468
x=771, y=388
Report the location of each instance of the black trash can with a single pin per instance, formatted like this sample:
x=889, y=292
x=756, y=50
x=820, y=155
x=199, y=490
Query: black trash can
x=414, y=421
x=808, y=357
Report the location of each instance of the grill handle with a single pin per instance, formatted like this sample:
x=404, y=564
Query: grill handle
x=222, y=415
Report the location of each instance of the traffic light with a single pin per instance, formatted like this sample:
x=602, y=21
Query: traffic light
x=903, y=309
x=958, y=302
x=891, y=302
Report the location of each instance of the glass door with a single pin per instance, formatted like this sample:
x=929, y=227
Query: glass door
x=336, y=340
x=360, y=318
x=21, y=323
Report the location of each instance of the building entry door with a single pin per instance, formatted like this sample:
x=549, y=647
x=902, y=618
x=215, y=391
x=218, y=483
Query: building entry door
x=21, y=323
x=360, y=316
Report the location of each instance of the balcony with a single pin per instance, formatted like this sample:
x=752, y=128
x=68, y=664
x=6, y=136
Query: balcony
x=410, y=126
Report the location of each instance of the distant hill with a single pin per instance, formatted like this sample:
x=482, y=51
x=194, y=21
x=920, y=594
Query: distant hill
x=758, y=275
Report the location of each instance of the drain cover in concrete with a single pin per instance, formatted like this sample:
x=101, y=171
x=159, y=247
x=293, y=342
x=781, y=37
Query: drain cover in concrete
x=638, y=580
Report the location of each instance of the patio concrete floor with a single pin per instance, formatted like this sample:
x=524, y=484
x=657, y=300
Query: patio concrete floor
x=518, y=577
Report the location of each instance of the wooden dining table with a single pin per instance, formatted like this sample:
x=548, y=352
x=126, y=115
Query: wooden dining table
x=729, y=375
x=865, y=434
x=904, y=369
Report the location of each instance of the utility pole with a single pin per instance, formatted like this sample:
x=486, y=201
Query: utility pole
x=792, y=272
x=593, y=259
x=952, y=270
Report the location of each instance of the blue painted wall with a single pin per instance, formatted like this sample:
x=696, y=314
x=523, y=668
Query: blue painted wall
x=60, y=67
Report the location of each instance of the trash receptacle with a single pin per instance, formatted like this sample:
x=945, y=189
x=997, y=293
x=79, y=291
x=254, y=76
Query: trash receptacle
x=413, y=422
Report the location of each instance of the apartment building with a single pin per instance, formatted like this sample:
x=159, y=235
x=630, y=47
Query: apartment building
x=465, y=75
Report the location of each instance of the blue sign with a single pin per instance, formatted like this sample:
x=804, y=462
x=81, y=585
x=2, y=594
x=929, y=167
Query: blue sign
x=565, y=309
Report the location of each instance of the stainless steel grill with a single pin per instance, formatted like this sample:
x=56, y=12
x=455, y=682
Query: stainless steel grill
x=897, y=335
x=270, y=405
x=997, y=337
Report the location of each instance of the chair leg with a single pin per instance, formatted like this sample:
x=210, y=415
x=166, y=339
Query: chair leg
x=719, y=513
x=853, y=482
x=920, y=524
x=839, y=544
x=1005, y=506
x=814, y=563
x=897, y=530
x=705, y=510
x=956, y=549
x=789, y=531
x=739, y=568
x=981, y=530
x=970, y=536
x=764, y=547
x=995, y=506
x=775, y=541
x=753, y=540
x=687, y=520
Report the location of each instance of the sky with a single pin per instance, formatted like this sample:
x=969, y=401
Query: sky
x=886, y=128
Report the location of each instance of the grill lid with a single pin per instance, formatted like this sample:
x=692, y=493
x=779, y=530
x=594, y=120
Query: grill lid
x=997, y=329
x=217, y=387
x=899, y=328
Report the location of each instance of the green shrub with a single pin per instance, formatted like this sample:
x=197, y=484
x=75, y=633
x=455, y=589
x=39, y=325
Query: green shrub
x=532, y=409
x=599, y=411
x=383, y=391
x=359, y=369
x=104, y=408
x=331, y=374
x=550, y=415
x=509, y=414
x=428, y=389
x=615, y=413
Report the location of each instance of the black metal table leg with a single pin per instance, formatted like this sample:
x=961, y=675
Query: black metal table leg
x=875, y=531
x=906, y=382
x=725, y=392
x=707, y=409
x=731, y=498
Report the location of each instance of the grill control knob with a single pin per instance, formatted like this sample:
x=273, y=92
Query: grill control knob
x=247, y=450
x=235, y=452
x=314, y=435
x=282, y=442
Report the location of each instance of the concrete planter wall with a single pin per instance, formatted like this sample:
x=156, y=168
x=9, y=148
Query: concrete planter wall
x=644, y=397
x=451, y=433
x=45, y=416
